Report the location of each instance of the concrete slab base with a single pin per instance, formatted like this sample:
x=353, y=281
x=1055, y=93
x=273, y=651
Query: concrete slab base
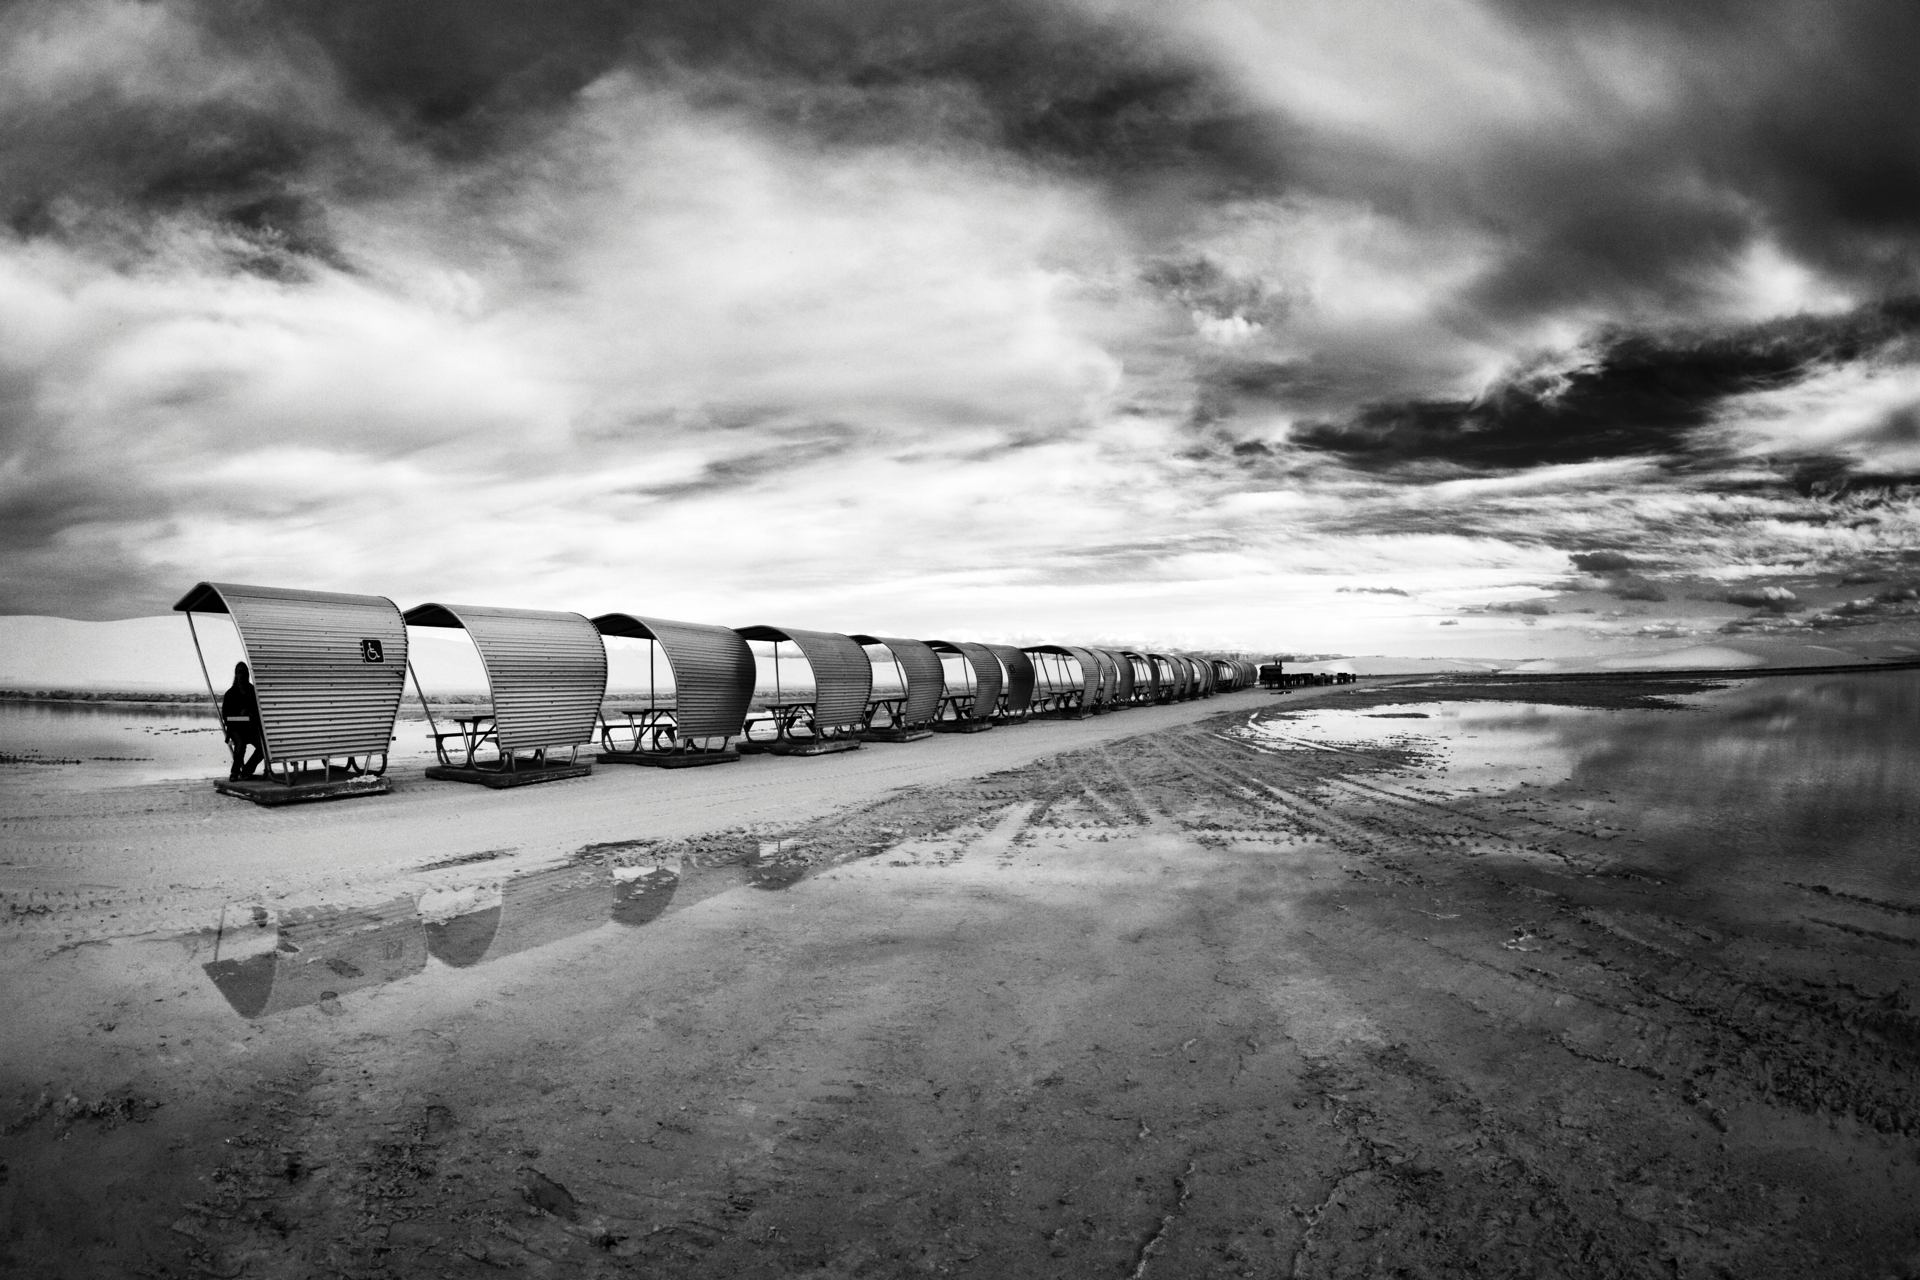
x=962, y=726
x=896, y=735
x=272, y=794
x=669, y=759
x=813, y=746
x=521, y=775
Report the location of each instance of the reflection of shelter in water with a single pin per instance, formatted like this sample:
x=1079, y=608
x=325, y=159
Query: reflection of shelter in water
x=805, y=721
x=546, y=676
x=328, y=670
x=972, y=677
x=323, y=952
x=907, y=684
x=693, y=722
x=532, y=910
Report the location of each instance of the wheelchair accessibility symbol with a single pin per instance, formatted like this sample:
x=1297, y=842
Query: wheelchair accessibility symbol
x=370, y=651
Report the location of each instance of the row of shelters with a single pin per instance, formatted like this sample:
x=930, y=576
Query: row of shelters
x=329, y=670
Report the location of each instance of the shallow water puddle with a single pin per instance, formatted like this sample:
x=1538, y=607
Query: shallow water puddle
x=267, y=962
x=1802, y=783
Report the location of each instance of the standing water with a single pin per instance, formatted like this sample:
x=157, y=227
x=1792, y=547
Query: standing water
x=1804, y=782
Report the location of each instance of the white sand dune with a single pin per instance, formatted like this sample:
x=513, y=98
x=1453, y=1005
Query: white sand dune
x=1703, y=656
x=1387, y=665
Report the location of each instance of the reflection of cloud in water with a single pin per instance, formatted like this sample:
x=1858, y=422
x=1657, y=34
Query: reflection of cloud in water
x=1813, y=774
x=1472, y=745
x=1814, y=771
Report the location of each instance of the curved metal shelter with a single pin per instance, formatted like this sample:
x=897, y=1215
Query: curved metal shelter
x=328, y=672
x=1093, y=676
x=1107, y=676
x=836, y=709
x=547, y=675
x=1098, y=679
x=1120, y=673
x=1056, y=679
x=1202, y=676
x=1067, y=679
x=921, y=682
x=972, y=674
x=1167, y=683
x=1016, y=693
x=1146, y=677
x=712, y=687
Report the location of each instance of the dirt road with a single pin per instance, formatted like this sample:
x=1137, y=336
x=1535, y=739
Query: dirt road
x=1191, y=1003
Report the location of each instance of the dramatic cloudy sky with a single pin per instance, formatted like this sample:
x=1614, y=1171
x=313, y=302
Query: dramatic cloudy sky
x=1209, y=322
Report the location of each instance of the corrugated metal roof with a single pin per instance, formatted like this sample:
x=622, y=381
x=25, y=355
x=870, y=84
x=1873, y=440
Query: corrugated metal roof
x=328, y=668
x=841, y=673
x=547, y=670
x=926, y=681
x=1090, y=676
x=1017, y=697
x=1053, y=671
x=1146, y=675
x=1103, y=676
x=1172, y=684
x=1122, y=687
x=712, y=670
x=986, y=674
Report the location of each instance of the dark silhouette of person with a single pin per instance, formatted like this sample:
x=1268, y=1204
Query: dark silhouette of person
x=240, y=717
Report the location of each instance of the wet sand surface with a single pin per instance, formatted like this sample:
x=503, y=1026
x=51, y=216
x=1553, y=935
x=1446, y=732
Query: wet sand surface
x=1439, y=979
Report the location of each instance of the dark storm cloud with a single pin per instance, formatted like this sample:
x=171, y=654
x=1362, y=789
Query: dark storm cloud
x=260, y=119
x=30, y=518
x=1045, y=78
x=1815, y=139
x=467, y=76
x=1639, y=396
x=1811, y=108
x=35, y=582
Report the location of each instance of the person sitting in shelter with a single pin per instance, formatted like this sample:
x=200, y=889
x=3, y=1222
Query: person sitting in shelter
x=240, y=717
